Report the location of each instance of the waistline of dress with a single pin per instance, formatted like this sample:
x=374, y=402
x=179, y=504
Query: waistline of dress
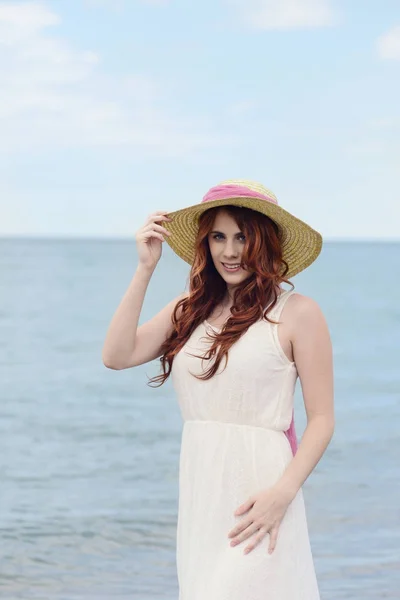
x=230, y=424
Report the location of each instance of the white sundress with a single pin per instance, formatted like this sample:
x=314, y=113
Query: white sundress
x=233, y=445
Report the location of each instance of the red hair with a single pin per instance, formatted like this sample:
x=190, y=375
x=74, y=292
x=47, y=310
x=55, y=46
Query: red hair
x=262, y=255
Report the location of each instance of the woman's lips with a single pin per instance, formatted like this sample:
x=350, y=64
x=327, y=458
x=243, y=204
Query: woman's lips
x=229, y=269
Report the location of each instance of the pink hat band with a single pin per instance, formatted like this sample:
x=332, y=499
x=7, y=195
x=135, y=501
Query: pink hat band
x=301, y=244
x=222, y=192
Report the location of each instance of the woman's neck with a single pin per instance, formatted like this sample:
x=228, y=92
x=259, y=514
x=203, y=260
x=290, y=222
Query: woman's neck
x=228, y=298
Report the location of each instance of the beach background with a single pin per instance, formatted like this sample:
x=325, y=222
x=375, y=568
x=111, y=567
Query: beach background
x=89, y=456
x=111, y=110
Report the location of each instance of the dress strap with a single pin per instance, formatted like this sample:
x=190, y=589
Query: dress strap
x=275, y=314
x=276, y=311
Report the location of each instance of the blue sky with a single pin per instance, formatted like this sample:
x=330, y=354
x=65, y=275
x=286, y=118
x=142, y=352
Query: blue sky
x=112, y=109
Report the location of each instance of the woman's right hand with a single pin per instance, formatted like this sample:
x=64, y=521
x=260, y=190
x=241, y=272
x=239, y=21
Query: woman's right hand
x=149, y=239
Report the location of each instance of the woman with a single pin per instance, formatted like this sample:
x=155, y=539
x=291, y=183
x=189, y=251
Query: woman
x=235, y=345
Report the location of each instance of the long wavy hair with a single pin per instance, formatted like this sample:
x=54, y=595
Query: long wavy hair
x=253, y=298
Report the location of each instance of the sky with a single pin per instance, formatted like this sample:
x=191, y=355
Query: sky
x=113, y=109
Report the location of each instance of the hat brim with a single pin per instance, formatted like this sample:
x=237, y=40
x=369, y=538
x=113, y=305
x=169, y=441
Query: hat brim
x=301, y=244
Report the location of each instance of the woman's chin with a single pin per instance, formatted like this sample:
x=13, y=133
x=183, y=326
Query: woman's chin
x=235, y=277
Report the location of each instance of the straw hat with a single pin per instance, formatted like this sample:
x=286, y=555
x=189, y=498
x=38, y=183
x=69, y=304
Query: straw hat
x=301, y=244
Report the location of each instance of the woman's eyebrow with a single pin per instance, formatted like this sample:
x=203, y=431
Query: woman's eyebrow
x=222, y=233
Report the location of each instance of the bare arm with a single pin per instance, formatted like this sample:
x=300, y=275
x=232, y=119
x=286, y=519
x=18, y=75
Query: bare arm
x=312, y=350
x=127, y=345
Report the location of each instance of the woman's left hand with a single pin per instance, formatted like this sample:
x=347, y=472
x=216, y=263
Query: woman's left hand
x=267, y=509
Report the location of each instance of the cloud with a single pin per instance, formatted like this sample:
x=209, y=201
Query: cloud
x=388, y=44
x=284, y=14
x=54, y=95
x=20, y=20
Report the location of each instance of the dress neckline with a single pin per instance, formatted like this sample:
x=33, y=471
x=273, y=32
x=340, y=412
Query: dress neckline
x=205, y=322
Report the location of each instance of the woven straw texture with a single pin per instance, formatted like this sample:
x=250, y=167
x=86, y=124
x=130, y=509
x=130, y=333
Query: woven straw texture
x=301, y=244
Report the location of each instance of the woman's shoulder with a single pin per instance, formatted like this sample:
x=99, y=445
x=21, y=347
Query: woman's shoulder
x=178, y=299
x=302, y=308
x=301, y=302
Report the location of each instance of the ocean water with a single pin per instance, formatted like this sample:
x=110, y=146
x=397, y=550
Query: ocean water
x=89, y=456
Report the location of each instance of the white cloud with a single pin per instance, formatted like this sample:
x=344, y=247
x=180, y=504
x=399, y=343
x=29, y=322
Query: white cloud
x=55, y=95
x=388, y=44
x=23, y=19
x=285, y=14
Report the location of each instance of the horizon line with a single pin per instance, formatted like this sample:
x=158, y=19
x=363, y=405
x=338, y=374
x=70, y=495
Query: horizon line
x=110, y=238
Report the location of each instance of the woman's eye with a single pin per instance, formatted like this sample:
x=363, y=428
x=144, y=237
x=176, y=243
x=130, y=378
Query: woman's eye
x=219, y=236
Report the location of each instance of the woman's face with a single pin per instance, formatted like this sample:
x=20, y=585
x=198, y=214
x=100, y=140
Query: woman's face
x=226, y=243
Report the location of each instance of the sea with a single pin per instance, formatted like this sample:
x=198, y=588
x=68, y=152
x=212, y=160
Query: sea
x=89, y=456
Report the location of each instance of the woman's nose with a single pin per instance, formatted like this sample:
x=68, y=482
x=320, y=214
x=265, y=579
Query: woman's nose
x=230, y=249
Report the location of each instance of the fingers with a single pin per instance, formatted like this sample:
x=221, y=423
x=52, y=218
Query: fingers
x=155, y=227
x=256, y=540
x=260, y=533
x=245, y=533
x=158, y=216
x=273, y=539
x=152, y=230
x=244, y=507
x=159, y=212
x=147, y=236
x=244, y=523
